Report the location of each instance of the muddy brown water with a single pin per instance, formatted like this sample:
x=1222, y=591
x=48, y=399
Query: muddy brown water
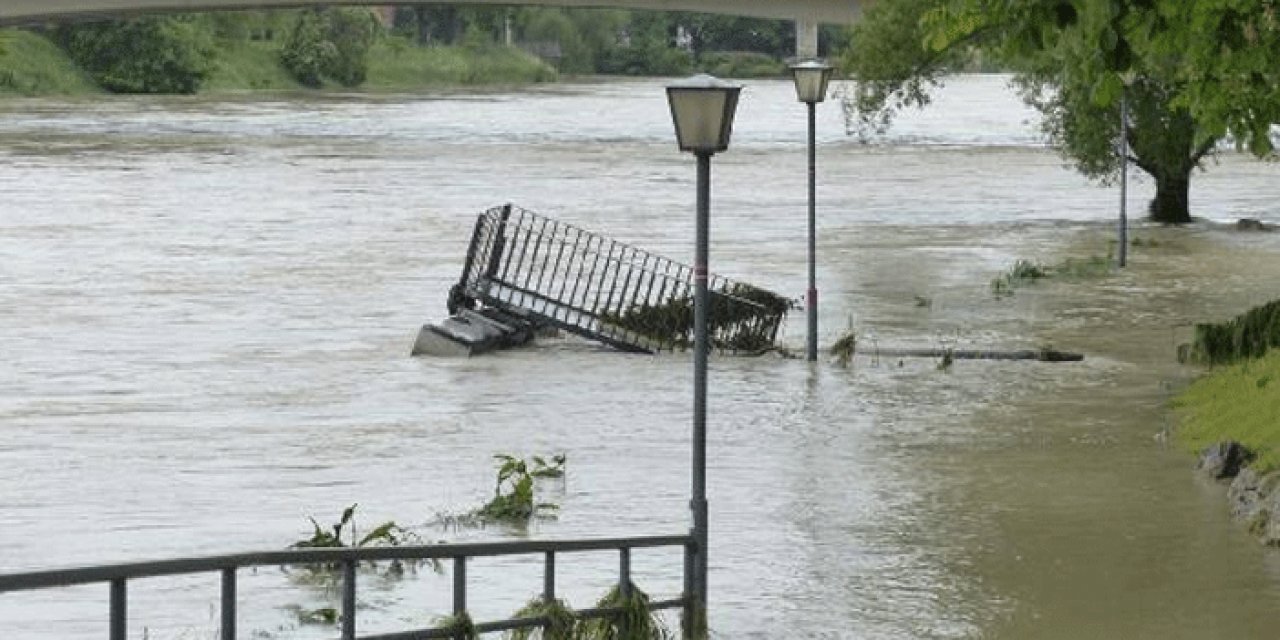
x=206, y=305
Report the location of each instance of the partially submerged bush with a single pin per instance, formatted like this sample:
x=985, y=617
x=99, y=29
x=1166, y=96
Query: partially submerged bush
x=1025, y=272
x=513, y=499
x=1247, y=336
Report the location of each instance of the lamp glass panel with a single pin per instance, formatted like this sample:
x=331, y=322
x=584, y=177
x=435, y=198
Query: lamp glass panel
x=699, y=117
x=811, y=82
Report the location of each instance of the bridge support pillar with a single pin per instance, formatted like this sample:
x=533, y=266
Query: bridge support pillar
x=806, y=38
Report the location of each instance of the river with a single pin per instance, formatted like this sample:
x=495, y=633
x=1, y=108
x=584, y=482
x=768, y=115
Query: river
x=206, y=308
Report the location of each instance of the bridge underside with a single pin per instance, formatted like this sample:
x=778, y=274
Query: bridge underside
x=812, y=11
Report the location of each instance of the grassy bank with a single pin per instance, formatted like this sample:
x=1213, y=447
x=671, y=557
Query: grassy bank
x=30, y=64
x=396, y=65
x=248, y=66
x=1240, y=402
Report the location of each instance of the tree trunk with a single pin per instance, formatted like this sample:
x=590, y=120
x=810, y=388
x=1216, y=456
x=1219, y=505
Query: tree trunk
x=1170, y=204
x=423, y=25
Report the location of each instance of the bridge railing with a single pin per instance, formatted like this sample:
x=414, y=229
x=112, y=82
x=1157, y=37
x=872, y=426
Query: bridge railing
x=117, y=577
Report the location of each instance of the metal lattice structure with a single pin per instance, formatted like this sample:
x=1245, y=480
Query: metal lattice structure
x=535, y=267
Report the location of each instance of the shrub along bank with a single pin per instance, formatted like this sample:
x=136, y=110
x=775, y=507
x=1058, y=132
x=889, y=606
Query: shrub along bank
x=1231, y=416
x=313, y=48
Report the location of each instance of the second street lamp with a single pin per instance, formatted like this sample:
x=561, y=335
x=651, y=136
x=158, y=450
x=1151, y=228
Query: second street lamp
x=702, y=108
x=811, y=77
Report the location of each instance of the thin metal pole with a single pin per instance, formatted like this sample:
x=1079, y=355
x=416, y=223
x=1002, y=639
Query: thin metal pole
x=1123, y=254
x=549, y=577
x=348, y=600
x=700, y=350
x=624, y=589
x=228, y=604
x=459, y=586
x=811, y=347
x=690, y=606
x=119, y=625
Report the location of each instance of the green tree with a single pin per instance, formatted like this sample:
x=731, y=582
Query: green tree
x=330, y=44
x=1069, y=57
x=143, y=55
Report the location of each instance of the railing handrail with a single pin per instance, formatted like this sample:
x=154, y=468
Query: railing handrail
x=205, y=564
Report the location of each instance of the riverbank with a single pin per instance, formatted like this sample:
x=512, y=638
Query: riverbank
x=1239, y=403
x=33, y=65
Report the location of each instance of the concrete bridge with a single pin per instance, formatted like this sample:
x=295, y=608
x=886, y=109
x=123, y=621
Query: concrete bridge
x=808, y=14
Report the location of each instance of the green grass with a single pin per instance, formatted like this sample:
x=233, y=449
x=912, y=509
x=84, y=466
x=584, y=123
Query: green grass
x=1240, y=402
x=742, y=64
x=248, y=66
x=1025, y=272
x=397, y=65
x=30, y=64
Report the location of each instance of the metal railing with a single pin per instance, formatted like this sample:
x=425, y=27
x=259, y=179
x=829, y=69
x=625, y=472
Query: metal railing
x=590, y=285
x=348, y=559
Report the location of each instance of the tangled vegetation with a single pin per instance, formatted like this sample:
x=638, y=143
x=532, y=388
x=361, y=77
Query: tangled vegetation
x=562, y=623
x=1024, y=272
x=636, y=622
x=740, y=318
x=845, y=347
x=513, y=499
x=1249, y=335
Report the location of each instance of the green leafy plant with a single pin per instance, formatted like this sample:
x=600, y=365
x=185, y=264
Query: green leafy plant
x=462, y=626
x=562, y=622
x=636, y=622
x=513, y=492
x=844, y=348
x=342, y=534
x=172, y=54
x=330, y=43
x=948, y=359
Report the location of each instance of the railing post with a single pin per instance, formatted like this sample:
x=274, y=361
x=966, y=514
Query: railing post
x=459, y=590
x=228, y=604
x=548, y=585
x=624, y=590
x=689, y=614
x=549, y=577
x=349, y=599
x=119, y=610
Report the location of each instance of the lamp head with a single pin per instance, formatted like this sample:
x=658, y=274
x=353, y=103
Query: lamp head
x=702, y=108
x=811, y=78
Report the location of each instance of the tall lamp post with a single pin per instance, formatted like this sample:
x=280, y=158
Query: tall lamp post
x=702, y=108
x=1122, y=256
x=811, y=78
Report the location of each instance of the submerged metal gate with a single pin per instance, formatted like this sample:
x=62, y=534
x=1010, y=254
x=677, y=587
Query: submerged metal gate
x=559, y=274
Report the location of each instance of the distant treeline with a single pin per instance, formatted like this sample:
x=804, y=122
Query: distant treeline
x=409, y=45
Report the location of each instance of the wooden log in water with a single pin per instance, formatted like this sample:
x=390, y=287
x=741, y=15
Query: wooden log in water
x=1041, y=355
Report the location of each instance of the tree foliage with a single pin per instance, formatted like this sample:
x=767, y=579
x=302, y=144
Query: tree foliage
x=330, y=44
x=1186, y=88
x=143, y=55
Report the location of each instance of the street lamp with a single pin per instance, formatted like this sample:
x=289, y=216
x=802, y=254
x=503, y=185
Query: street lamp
x=1127, y=79
x=702, y=108
x=811, y=78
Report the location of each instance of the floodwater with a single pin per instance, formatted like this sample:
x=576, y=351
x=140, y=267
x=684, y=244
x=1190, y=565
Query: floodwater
x=206, y=308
